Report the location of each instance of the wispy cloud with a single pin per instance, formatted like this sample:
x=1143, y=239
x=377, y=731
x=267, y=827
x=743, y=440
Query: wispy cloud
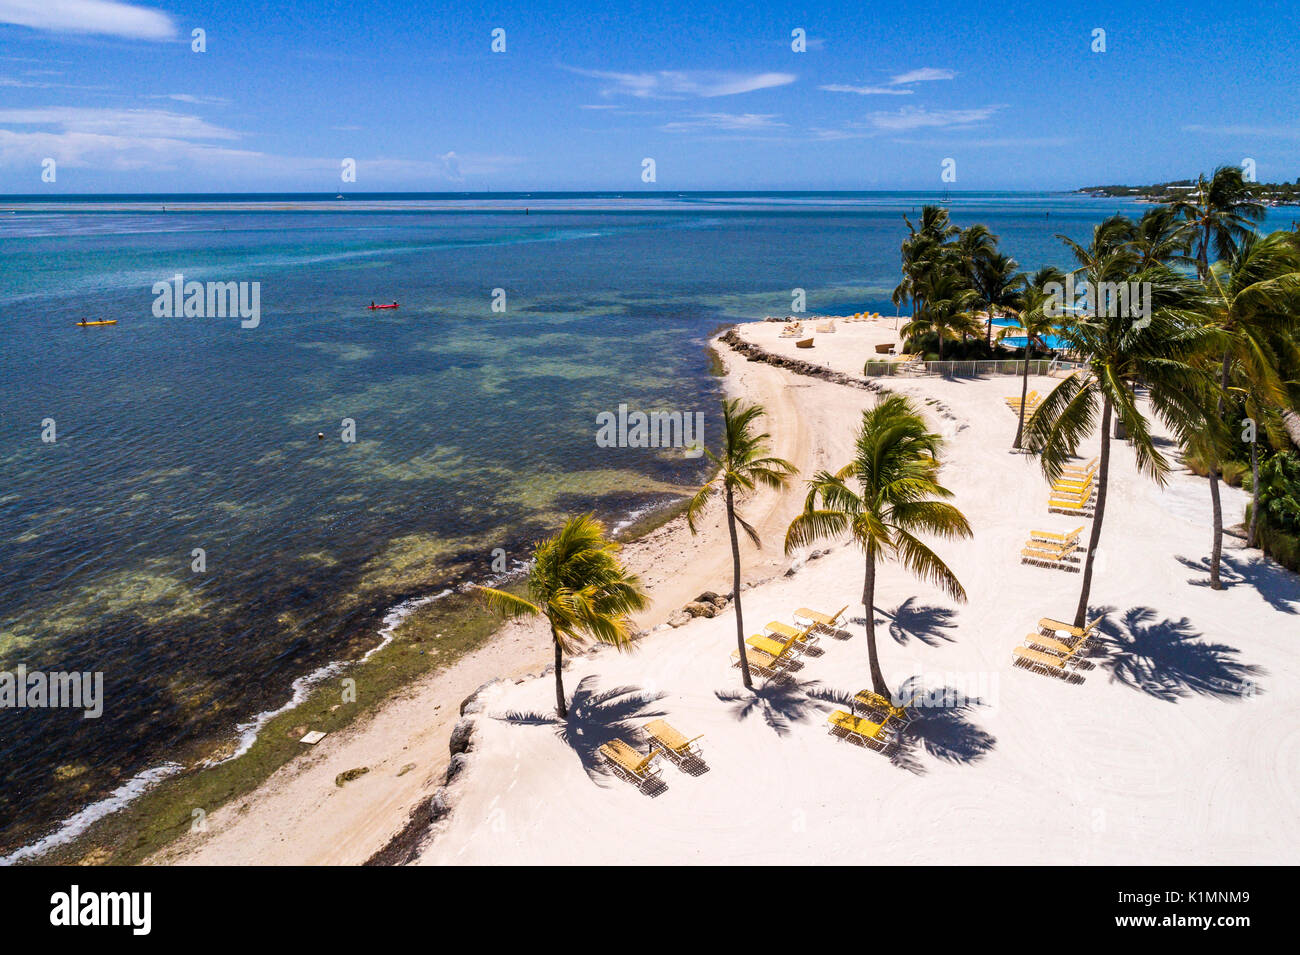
x=157, y=123
x=106, y=17
x=121, y=140
x=192, y=100
x=898, y=85
x=865, y=90
x=905, y=119
x=684, y=84
x=918, y=117
x=733, y=122
x=925, y=74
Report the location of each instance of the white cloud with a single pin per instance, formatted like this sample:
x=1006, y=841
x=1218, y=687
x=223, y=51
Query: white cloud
x=918, y=117
x=107, y=17
x=147, y=123
x=193, y=100
x=684, y=84
x=865, y=90
x=733, y=122
x=119, y=140
x=925, y=74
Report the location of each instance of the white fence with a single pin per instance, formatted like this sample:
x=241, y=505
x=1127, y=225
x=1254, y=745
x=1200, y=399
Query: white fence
x=969, y=369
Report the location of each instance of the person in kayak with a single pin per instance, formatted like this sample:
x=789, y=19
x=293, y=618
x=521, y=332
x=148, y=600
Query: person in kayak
x=372, y=303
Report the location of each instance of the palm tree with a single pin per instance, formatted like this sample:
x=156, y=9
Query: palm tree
x=1252, y=301
x=576, y=582
x=744, y=463
x=895, y=465
x=947, y=304
x=1119, y=353
x=926, y=243
x=1032, y=310
x=1161, y=237
x=998, y=285
x=1219, y=212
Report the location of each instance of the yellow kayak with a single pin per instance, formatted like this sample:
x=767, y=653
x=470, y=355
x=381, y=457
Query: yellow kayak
x=111, y=321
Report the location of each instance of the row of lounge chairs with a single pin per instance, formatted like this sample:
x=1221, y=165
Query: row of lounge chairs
x=773, y=650
x=629, y=762
x=1057, y=649
x=878, y=727
x=1073, y=491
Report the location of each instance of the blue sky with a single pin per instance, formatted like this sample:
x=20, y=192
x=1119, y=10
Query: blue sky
x=586, y=90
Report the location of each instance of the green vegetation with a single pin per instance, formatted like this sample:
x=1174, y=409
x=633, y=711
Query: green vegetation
x=1215, y=354
x=576, y=582
x=1278, y=508
x=1271, y=193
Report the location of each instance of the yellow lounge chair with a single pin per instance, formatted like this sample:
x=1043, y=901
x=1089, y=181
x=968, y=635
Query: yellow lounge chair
x=1078, y=498
x=1053, y=538
x=1040, y=642
x=845, y=725
x=1050, y=664
x=1080, y=468
x=1039, y=662
x=1058, y=557
x=628, y=762
x=1076, y=635
x=673, y=743
x=805, y=635
x=1079, y=505
x=763, y=661
x=765, y=644
x=1078, y=477
x=872, y=700
x=819, y=621
x=1065, y=487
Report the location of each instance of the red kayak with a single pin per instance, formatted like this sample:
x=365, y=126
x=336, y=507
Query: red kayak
x=394, y=305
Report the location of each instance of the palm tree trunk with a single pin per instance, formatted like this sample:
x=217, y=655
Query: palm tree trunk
x=989, y=340
x=1024, y=391
x=1254, y=495
x=869, y=605
x=1216, y=546
x=561, y=710
x=940, y=332
x=735, y=591
x=1103, y=474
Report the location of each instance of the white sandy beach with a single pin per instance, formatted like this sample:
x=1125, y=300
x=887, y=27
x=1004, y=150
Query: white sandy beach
x=1182, y=745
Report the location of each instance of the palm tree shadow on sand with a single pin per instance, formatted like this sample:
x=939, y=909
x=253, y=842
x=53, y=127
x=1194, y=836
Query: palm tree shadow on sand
x=945, y=732
x=1274, y=583
x=595, y=718
x=940, y=727
x=1170, y=659
x=907, y=622
x=778, y=702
